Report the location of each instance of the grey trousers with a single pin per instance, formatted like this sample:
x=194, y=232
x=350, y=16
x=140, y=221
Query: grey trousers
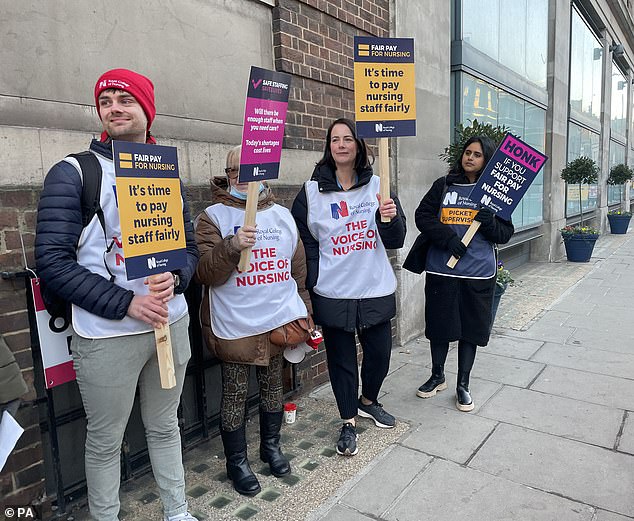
x=108, y=372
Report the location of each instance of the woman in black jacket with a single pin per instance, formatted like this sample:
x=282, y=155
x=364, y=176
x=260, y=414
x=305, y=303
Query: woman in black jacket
x=351, y=282
x=458, y=301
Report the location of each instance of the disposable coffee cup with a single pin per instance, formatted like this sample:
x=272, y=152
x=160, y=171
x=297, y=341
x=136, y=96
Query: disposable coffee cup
x=290, y=411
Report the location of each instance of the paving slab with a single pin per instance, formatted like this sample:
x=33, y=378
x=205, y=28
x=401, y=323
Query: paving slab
x=511, y=346
x=603, y=515
x=565, y=417
x=626, y=443
x=416, y=352
x=502, y=369
x=546, y=332
x=450, y=434
x=620, y=340
x=584, y=358
x=607, y=318
x=400, y=393
x=341, y=512
x=586, y=387
x=582, y=472
x=482, y=497
x=380, y=487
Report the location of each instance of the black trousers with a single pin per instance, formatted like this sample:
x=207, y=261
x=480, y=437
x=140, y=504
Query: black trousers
x=341, y=353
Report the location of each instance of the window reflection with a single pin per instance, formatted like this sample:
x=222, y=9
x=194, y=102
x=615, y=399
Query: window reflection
x=617, y=157
x=585, y=72
x=514, y=33
x=489, y=104
x=581, y=142
x=618, y=106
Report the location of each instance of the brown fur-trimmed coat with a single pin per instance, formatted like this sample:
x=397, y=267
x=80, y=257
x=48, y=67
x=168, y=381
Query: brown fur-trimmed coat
x=218, y=259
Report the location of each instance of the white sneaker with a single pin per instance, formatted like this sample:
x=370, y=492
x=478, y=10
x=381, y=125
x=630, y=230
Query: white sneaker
x=185, y=516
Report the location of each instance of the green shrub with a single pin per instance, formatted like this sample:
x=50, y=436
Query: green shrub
x=452, y=153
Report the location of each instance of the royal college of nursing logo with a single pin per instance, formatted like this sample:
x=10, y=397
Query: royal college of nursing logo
x=339, y=210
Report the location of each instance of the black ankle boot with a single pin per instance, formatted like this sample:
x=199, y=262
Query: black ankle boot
x=463, y=397
x=435, y=383
x=270, y=452
x=238, y=469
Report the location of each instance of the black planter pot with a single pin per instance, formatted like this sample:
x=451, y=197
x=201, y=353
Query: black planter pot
x=579, y=247
x=497, y=295
x=619, y=223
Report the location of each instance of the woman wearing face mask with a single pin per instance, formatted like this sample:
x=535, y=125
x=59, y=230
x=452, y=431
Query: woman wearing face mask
x=239, y=311
x=338, y=213
x=458, y=301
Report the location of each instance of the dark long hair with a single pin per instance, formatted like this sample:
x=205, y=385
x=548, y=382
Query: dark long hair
x=361, y=161
x=488, y=149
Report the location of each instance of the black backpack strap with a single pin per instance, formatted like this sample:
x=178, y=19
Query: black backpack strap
x=91, y=195
x=91, y=188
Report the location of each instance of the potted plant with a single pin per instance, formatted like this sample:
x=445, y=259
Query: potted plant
x=579, y=240
x=502, y=281
x=619, y=219
x=452, y=153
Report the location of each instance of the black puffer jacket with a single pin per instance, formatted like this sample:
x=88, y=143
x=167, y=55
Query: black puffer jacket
x=346, y=314
x=59, y=226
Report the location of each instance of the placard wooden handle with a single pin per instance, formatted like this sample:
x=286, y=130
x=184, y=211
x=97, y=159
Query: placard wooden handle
x=164, y=354
x=466, y=239
x=253, y=194
x=384, y=173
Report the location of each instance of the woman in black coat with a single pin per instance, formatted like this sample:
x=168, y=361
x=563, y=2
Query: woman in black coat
x=351, y=282
x=458, y=301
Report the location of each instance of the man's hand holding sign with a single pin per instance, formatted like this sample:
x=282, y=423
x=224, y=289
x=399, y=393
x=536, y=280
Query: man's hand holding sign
x=153, y=235
x=500, y=187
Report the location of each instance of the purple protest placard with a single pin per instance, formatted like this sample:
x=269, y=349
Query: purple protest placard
x=264, y=119
x=507, y=176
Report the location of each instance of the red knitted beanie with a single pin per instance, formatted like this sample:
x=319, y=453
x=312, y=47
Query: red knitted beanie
x=129, y=81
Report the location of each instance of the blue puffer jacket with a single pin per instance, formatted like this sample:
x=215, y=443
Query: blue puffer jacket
x=59, y=226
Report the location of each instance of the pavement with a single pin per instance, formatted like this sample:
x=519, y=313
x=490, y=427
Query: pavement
x=551, y=436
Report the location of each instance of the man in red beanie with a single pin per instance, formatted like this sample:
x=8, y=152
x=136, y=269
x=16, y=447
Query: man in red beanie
x=113, y=318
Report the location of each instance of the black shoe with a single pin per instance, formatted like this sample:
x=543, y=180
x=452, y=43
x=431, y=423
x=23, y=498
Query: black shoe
x=435, y=383
x=463, y=396
x=270, y=452
x=238, y=469
x=375, y=412
x=347, y=444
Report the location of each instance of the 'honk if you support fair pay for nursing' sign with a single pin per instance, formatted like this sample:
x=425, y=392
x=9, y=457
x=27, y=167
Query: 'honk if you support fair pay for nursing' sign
x=150, y=208
x=507, y=176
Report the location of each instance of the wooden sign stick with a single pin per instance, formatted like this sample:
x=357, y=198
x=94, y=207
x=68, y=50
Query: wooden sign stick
x=251, y=209
x=384, y=173
x=164, y=354
x=466, y=239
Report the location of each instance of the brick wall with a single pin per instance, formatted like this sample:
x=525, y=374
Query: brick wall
x=22, y=479
x=313, y=41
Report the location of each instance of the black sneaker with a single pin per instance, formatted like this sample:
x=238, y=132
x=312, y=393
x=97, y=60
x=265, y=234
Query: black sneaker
x=376, y=412
x=347, y=444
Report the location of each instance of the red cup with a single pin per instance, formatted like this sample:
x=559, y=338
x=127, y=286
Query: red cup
x=290, y=411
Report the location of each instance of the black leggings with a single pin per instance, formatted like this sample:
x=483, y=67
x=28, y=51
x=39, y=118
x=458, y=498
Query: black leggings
x=341, y=353
x=235, y=384
x=466, y=354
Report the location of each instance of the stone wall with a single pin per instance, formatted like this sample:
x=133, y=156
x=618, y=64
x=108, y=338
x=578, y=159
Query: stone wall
x=46, y=112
